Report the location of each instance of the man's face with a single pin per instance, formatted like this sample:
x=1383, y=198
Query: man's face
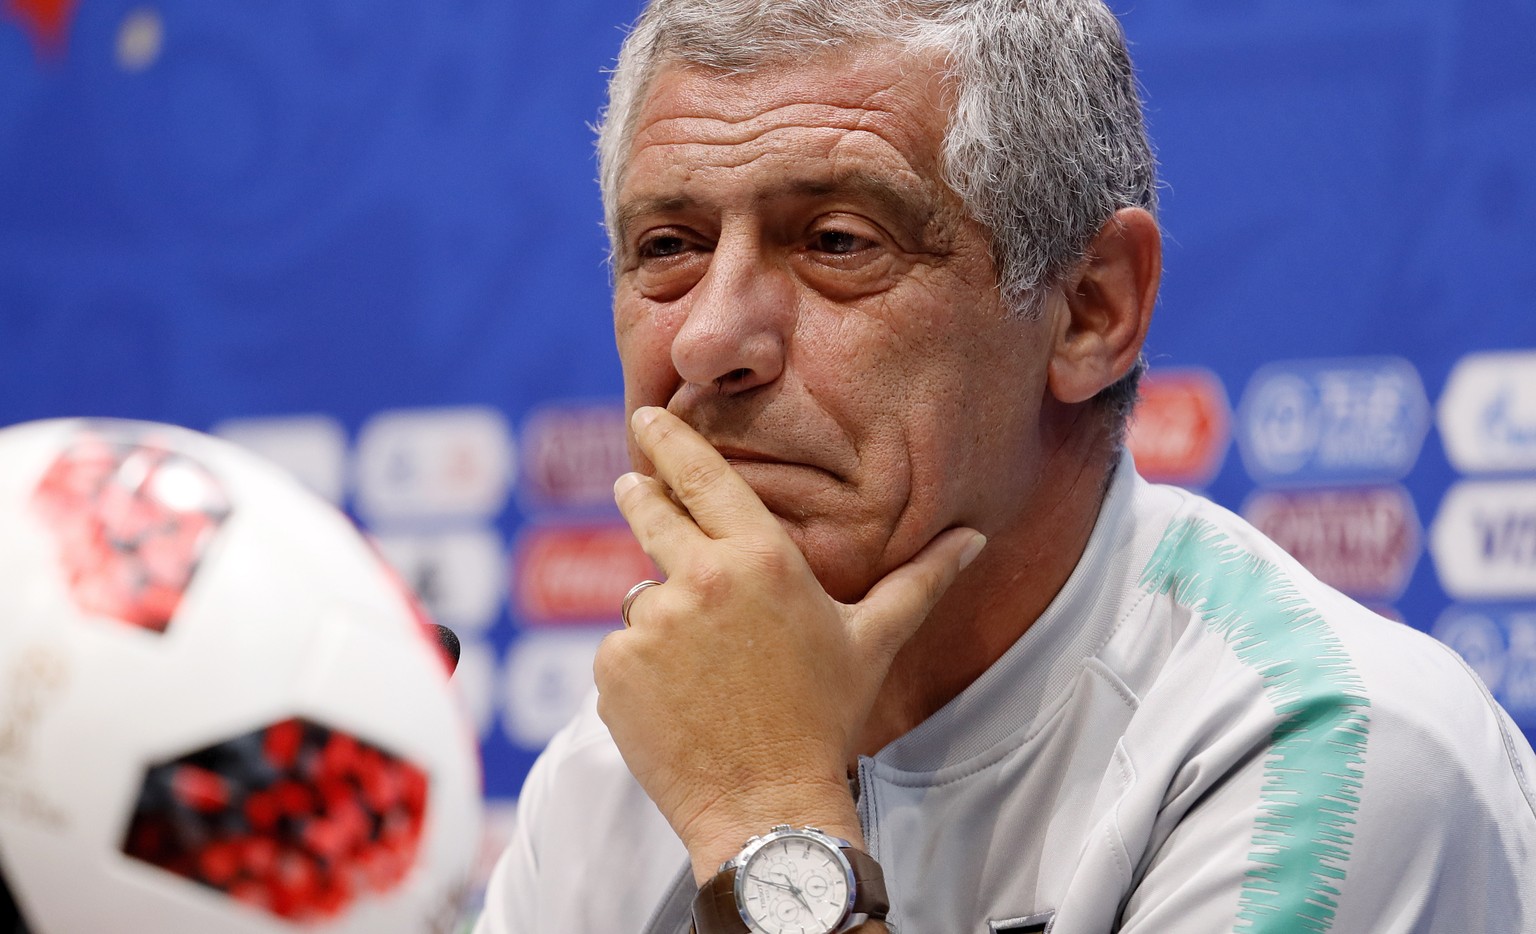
x=797, y=283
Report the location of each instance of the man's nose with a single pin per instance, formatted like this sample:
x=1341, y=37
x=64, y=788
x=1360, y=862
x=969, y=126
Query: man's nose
x=740, y=315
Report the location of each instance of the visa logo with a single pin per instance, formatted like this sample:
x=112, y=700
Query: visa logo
x=1509, y=538
x=1484, y=540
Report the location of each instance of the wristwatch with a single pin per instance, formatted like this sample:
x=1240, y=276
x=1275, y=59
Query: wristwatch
x=791, y=881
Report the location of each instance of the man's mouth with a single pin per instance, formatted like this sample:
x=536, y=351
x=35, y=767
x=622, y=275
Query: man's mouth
x=749, y=460
x=742, y=455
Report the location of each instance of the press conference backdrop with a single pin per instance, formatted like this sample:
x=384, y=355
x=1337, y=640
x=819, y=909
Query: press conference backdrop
x=363, y=239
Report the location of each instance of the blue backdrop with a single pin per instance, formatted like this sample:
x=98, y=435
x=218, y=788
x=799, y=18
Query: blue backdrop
x=364, y=239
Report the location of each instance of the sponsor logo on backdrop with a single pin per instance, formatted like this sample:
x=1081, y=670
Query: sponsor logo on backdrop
x=1487, y=415
x=434, y=464
x=1333, y=421
x=48, y=24
x=1484, y=540
x=1182, y=427
x=575, y=573
x=311, y=447
x=572, y=455
x=1501, y=647
x=1363, y=541
x=547, y=675
x=456, y=574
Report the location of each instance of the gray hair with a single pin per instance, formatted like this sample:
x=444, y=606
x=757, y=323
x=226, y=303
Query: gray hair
x=1045, y=143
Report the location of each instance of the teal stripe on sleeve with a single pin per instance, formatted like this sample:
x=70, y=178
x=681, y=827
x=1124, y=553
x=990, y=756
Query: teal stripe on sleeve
x=1314, y=768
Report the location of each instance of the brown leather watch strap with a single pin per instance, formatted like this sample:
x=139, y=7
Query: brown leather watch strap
x=715, y=910
x=870, y=897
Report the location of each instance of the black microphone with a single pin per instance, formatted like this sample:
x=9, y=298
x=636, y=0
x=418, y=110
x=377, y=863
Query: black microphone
x=450, y=645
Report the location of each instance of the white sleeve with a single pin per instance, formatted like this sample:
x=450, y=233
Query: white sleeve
x=1433, y=830
x=512, y=895
x=590, y=854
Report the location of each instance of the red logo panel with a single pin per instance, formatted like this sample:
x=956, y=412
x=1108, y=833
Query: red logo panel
x=1363, y=541
x=133, y=521
x=1182, y=427
x=572, y=456
x=576, y=574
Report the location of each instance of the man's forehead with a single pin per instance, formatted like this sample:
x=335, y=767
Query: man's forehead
x=881, y=88
x=850, y=75
x=878, y=114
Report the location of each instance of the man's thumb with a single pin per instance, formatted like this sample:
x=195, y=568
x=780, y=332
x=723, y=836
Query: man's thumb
x=897, y=605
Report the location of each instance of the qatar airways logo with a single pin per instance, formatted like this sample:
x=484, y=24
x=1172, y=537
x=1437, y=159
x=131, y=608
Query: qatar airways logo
x=1364, y=541
x=572, y=454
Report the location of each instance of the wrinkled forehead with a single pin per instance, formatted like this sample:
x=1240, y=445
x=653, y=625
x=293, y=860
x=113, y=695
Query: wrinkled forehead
x=859, y=100
x=848, y=71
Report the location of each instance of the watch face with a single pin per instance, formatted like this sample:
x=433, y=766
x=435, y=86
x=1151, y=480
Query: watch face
x=794, y=884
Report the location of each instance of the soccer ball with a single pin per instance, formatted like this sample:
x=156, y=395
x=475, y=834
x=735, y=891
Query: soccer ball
x=219, y=710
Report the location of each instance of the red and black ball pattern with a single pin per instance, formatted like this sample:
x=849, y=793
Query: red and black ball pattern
x=296, y=819
x=133, y=520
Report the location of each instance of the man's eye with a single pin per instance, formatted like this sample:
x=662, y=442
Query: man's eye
x=838, y=242
x=658, y=247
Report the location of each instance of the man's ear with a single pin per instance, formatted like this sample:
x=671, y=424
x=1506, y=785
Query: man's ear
x=1108, y=306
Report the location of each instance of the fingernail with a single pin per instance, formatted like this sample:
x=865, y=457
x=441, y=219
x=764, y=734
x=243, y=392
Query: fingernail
x=977, y=543
x=643, y=416
x=625, y=483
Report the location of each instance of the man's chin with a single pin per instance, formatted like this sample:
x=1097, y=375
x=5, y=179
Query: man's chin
x=835, y=563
